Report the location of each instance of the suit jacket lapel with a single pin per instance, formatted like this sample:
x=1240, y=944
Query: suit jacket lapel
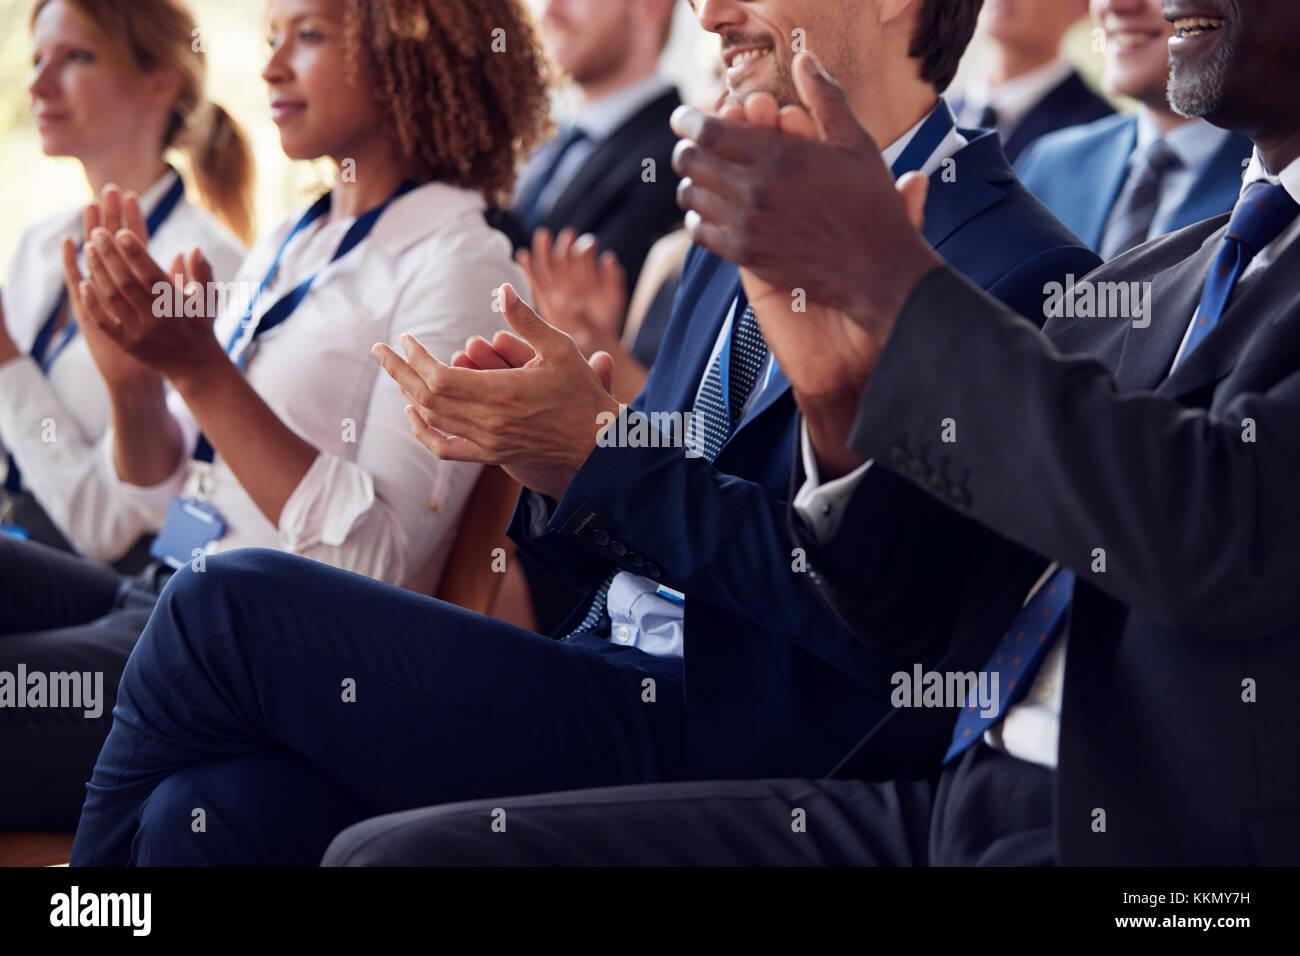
x=1148, y=353
x=1107, y=168
x=1220, y=351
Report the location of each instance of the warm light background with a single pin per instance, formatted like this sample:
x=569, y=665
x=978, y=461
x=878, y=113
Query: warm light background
x=33, y=186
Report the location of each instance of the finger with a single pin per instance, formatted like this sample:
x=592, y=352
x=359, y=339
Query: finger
x=705, y=201
x=795, y=121
x=400, y=371
x=732, y=111
x=110, y=293
x=133, y=216
x=563, y=251
x=461, y=360
x=132, y=253
x=513, y=349
x=829, y=105
x=531, y=327
x=914, y=188
x=112, y=203
x=199, y=269
x=542, y=280
x=446, y=447
x=91, y=220
x=697, y=164
x=602, y=363
x=730, y=139
x=762, y=109
x=444, y=382
x=94, y=312
x=584, y=261
x=71, y=272
x=713, y=236
x=480, y=351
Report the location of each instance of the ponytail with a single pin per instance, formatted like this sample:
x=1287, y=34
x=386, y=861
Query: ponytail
x=221, y=163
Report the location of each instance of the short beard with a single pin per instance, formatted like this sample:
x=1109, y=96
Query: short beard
x=1202, y=96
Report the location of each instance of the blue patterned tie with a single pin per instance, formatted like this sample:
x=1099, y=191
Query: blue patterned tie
x=1262, y=213
x=713, y=419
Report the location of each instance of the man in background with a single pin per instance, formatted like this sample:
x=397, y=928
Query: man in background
x=1029, y=89
x=596, y=176
x=1123, y=180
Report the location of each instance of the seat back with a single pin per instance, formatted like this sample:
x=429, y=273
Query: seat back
x=470, y=578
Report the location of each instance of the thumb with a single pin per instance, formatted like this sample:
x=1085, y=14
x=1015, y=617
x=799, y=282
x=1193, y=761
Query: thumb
x=829, y=105
x=914, y=188
x=602, y=363
x=200, y=270
x=530, y=326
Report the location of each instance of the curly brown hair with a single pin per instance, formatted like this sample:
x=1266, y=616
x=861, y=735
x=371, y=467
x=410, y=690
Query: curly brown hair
x=465, y=83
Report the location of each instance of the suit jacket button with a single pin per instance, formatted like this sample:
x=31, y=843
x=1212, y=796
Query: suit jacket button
x=917, y=468
x=897, y=457
x=959, y=495
x=618, y=548
x=653, y=570
x=635, y=559
x=601, y=537
x=938, y=485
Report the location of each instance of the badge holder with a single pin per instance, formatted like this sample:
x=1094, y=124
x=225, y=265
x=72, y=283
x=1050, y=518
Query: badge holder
x=192, y=524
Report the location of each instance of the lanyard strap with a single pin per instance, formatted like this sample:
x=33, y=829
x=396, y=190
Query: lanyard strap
x=933, y=132
x=287, y=303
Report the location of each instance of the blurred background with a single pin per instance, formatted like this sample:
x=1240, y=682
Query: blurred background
x=33, y=186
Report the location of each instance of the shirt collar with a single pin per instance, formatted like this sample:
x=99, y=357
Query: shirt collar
x=1194, y=143
x=601, y=117
x=953, y=142
x=1289, y=178
x=422, y=212
x=1014, y=99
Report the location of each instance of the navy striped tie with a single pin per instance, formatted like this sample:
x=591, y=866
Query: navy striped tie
x=713, y=419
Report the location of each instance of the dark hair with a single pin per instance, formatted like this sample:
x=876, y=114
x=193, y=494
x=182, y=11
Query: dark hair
x=943, y=31
x=465, y=82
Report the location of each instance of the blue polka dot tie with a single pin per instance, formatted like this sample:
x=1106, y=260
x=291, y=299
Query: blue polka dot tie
x=713, y=419
x=1262, y=213
x=1017, y=657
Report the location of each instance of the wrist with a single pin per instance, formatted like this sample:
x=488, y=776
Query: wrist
x=204, y=372
x=829, y=418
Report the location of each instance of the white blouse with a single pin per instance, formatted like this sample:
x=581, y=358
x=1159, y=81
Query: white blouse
x=52, y=422
x=375, y=501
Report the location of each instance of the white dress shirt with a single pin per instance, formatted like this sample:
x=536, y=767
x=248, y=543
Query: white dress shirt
x=1014, y=99
x=70, y=404
x=642, y=613
x=598, y=119
x=1031, y=728
x=375, y=501
x=1195, y=143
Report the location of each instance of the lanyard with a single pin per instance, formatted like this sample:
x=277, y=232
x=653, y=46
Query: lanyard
x=41, y=350
x=287, y=303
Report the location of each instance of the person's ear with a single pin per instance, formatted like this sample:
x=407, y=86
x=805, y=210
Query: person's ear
x=163, y=85
x=887, y=11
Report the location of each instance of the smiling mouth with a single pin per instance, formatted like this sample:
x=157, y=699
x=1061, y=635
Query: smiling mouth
x=1188, y=27
x=737, y=60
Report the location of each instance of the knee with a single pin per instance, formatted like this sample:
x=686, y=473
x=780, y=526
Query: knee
x=175, y=822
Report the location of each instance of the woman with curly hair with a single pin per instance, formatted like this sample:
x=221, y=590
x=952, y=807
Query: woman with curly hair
x=280, y=430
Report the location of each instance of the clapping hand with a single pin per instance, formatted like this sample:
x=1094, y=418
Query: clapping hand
x=530, y=402
x=579, y=292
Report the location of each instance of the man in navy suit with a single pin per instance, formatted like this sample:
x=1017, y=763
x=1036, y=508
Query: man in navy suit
x=1029, y=88
x=1123, y=180
x=592, y=178
x=291, y=700
x=1150, y=667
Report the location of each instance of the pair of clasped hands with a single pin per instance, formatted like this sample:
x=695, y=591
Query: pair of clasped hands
x=798, y=197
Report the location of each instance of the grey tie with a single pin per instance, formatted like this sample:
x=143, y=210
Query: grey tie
x=713, y=419
x=1135, y=209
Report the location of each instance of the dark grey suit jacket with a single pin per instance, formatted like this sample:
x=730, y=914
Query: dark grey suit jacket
x=1181, y=712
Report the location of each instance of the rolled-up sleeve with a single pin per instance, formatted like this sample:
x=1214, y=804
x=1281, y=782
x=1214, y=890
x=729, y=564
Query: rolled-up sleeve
x=384, y=513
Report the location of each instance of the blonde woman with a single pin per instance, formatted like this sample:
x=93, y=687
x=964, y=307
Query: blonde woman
x=117, y=85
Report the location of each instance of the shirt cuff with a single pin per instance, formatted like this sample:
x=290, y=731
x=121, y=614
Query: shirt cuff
x=822, y=505
x=327, y=504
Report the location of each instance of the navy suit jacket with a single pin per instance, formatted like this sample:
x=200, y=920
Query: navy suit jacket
x=1079, y=173
x=1070, y=103
x=774, y=684
x=610, y=197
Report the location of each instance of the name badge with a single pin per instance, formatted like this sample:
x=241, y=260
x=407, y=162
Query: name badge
x=191, y=526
